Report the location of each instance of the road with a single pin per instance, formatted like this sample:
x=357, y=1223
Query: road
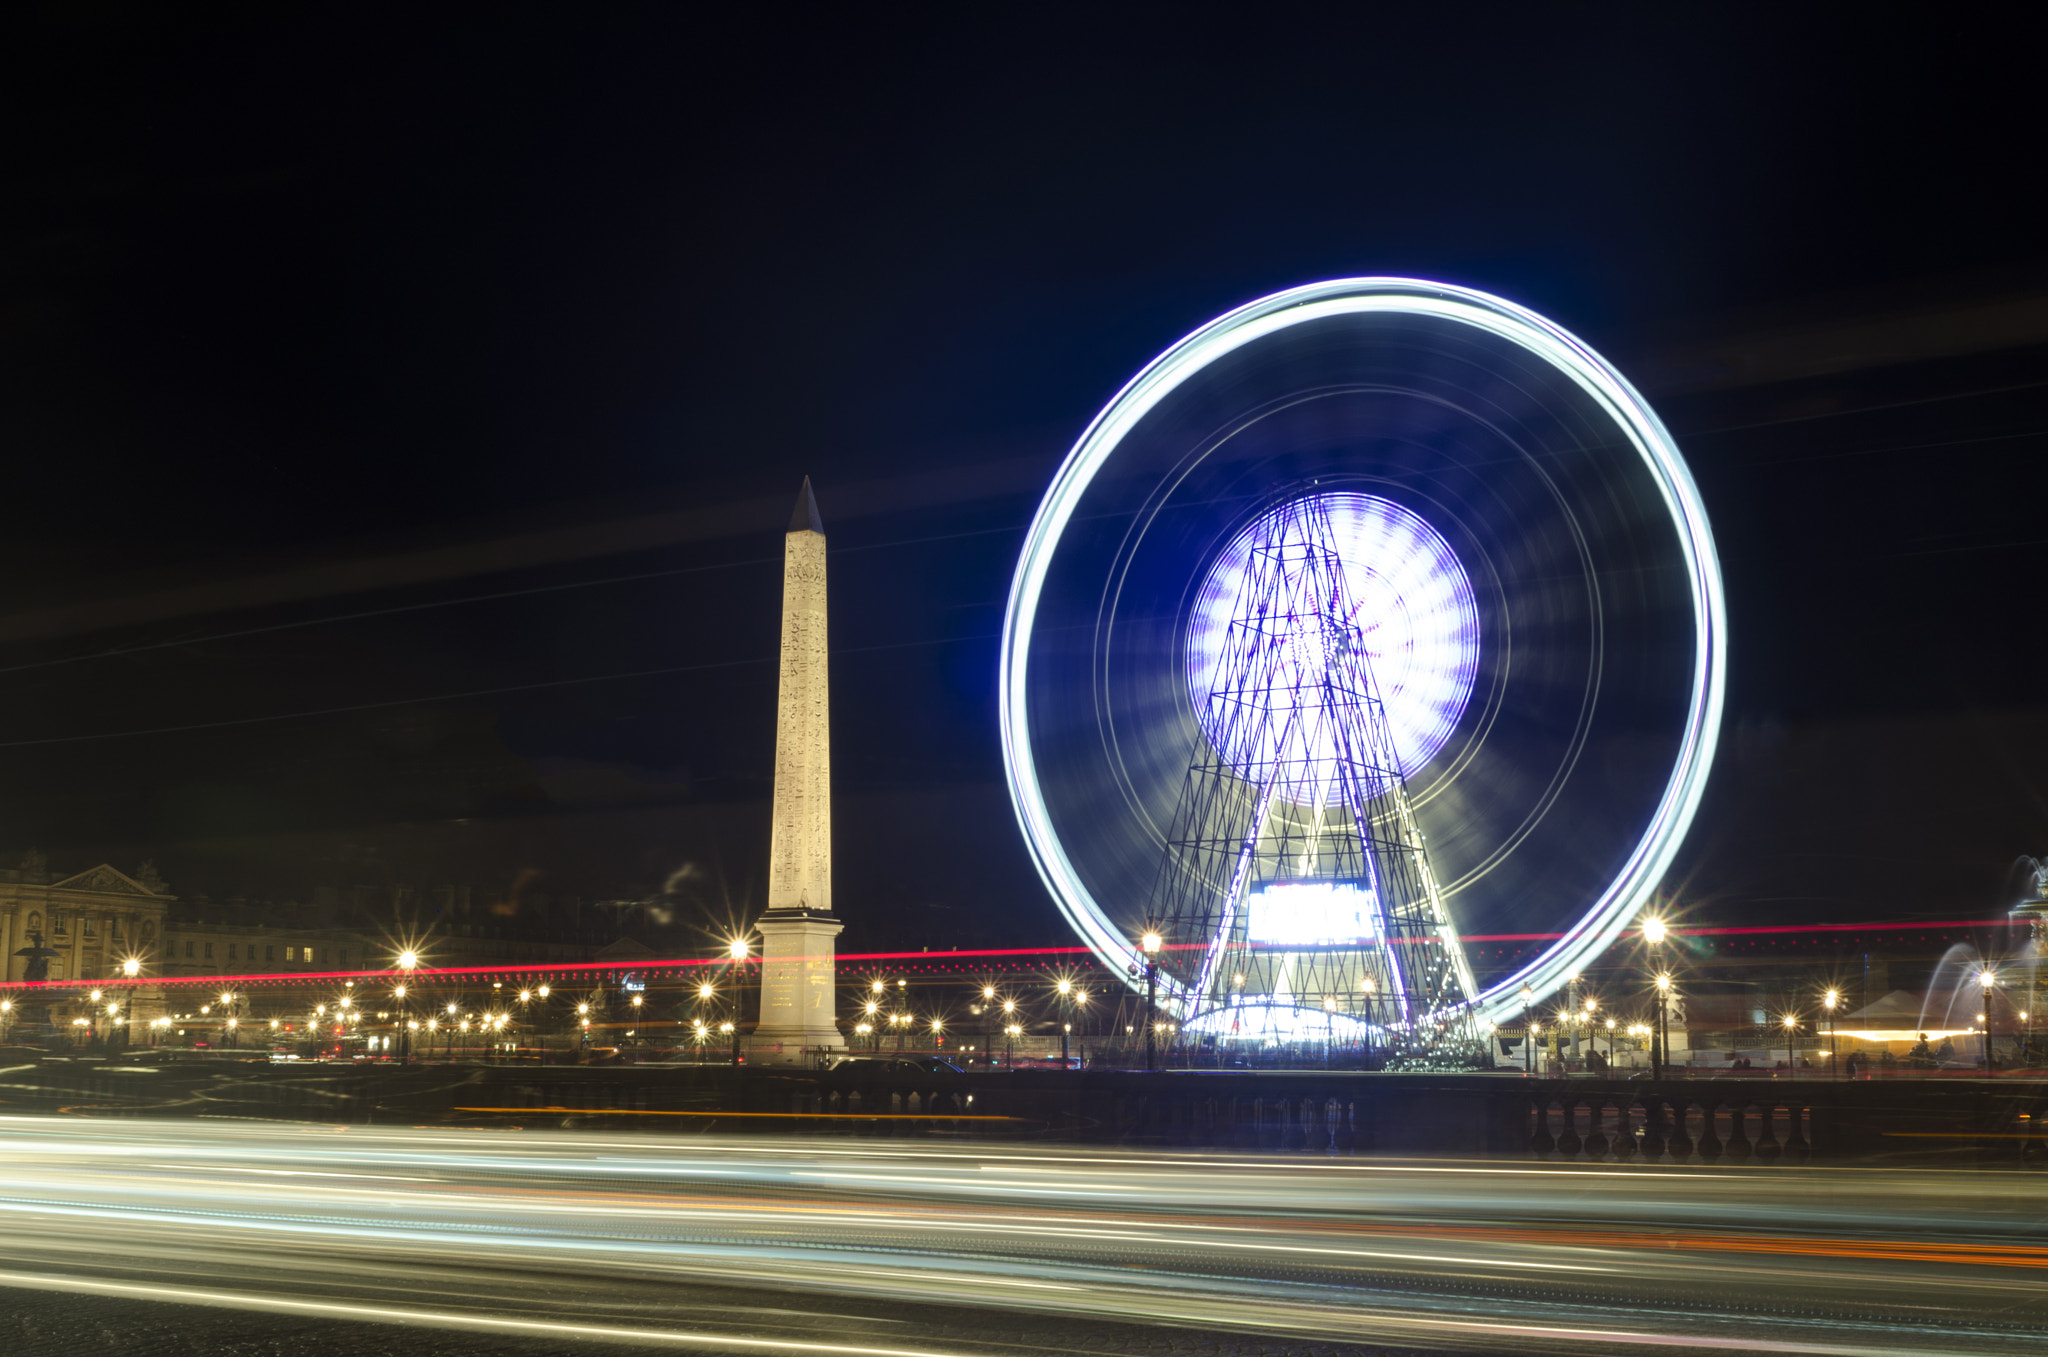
x=175, y=1236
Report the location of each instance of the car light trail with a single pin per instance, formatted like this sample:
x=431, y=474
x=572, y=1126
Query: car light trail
x=332, y=1221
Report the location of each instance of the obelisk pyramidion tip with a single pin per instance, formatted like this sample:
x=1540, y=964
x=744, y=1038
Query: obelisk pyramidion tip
x=806, y=519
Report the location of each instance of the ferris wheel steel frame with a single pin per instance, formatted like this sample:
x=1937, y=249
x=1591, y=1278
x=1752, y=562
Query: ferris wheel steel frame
x=1295, y=779
x=1634, y=885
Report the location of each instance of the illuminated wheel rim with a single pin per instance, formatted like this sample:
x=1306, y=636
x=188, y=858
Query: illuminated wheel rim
x=1639, y=871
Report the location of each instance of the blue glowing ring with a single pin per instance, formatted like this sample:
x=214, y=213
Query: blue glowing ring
x=1634, y=885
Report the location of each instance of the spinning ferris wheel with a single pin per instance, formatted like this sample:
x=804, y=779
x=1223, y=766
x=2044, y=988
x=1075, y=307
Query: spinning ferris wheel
x=1372, y=617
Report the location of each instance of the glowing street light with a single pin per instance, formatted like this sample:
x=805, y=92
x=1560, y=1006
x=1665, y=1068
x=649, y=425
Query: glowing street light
x=131, y=967
x=1830, y=1001
x=1654, y=932
x=1149, y=943
x=1988, y=979
x=1791, y=1057
x=737, y=949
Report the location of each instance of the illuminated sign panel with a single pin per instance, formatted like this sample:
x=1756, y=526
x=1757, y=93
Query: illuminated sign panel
x=1312, y=913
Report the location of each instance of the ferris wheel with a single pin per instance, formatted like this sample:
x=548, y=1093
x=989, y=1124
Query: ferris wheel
x=1373, y=617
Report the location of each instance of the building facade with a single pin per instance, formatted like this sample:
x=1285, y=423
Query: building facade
x=94, y=919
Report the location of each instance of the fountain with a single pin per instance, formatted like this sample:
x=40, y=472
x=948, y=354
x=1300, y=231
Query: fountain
x=35, y=1015
x=1954, y=978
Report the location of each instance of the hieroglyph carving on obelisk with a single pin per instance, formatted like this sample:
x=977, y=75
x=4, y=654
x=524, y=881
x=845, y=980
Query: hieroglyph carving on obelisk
x=798, y=1004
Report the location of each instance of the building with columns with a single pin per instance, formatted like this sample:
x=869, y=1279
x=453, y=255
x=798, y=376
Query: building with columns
x=94, y=919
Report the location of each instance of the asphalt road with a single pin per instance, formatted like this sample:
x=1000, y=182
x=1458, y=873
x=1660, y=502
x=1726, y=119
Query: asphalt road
x=253, y=1237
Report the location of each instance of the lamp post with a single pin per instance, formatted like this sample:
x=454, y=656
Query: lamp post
x=737, y=950
x=1654, y=933
x=1535, y=1035
x=1149, y=945
x=408, y=962
x=227, y=1000
x=1988, y=980
x=131, y=969
x=1066, y=992
x=1829, y=1002
x=988, y=1027
x=1660, y=1039
x=1569, y=1019
x=1010, y=1012
x=1528, y=1030
x=1791, y=1056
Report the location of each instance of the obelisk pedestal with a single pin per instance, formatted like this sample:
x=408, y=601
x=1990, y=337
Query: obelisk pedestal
x=798, y=998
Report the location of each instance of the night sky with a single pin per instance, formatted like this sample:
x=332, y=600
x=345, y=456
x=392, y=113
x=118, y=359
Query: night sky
x=401, y=413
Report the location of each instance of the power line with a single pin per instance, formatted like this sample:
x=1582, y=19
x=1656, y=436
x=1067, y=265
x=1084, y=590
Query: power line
x=466, y=599
x=463, y=696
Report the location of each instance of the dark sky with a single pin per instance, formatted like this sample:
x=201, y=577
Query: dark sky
x=354, y=358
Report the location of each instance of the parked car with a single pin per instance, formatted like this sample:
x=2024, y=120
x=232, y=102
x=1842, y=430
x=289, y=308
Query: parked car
x=893, y=1067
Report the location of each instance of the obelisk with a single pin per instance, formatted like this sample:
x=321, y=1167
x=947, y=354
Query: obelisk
x=798, y=1002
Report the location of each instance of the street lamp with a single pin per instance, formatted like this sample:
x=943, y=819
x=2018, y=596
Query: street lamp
x=737, y=950
x=1829, y=1001
x=1791, y=1057
x=988, y=999
x=1660, y=1036
x=1149, y=944
x=1987, y=979
x=1655, y=930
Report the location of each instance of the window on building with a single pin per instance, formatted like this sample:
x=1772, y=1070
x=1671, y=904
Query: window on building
x=269, y=952
x=209, y=951
x=231, y=951
x=188, y=949
x=91, y=926
x=148, y=929
x=57, y=921
x=344, y=958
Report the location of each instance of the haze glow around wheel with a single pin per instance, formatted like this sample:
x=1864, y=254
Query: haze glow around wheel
x=1410, y=596
x=1629, y=426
